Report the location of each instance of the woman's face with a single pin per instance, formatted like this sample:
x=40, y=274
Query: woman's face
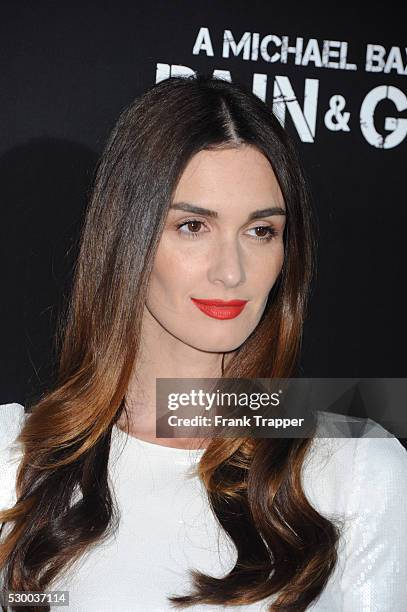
x=219, y=253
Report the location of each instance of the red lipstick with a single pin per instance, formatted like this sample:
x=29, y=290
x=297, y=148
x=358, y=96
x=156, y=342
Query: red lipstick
x=220, y=309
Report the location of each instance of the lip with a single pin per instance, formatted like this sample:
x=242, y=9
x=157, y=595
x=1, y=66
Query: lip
x=220, y=309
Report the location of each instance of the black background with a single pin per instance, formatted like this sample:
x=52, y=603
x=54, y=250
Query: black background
x=68, y=69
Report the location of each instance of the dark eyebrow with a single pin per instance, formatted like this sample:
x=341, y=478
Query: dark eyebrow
x=256, y=214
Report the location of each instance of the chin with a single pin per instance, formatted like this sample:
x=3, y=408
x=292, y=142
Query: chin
x=218, y=346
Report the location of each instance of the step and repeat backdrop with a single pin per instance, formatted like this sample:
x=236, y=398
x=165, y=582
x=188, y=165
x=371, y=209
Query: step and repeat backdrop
x=337, y=79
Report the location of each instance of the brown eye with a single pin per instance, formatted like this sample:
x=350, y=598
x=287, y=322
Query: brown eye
x=193, y=226
x=267, y=232
x=263, y=231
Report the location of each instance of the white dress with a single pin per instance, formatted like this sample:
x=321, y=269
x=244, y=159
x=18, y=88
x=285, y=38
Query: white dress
x=167, y=527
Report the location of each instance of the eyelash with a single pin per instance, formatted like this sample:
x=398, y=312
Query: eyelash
x=271, y=231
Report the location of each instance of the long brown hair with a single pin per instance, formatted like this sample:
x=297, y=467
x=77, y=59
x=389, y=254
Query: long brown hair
x=254, y=486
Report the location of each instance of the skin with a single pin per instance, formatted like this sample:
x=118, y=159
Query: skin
x=224, y=261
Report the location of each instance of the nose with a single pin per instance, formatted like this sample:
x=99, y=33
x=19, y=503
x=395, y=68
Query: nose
x=226, y=264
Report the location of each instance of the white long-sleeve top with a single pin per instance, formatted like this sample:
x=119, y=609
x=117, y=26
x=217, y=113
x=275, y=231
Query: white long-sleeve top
x=167, y=526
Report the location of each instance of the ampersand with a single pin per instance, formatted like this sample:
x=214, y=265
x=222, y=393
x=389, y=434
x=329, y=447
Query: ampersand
x=335, y=119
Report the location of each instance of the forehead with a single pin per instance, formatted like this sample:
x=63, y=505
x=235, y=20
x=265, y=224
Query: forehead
x=242, y=174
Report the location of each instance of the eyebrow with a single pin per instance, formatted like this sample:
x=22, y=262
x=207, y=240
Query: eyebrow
x=256, y=214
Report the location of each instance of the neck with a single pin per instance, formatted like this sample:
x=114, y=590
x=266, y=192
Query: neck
x=162, y=355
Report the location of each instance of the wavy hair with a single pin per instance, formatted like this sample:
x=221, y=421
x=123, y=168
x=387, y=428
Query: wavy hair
x=64, y=503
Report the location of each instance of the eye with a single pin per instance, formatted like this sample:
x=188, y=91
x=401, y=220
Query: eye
x=190, y=222
x=269, y=232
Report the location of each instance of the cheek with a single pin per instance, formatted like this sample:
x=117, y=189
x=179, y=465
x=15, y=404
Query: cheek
x=171, y=272
x=186, y=257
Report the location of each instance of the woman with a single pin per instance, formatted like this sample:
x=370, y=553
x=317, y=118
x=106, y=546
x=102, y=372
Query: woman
x=198, y=195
